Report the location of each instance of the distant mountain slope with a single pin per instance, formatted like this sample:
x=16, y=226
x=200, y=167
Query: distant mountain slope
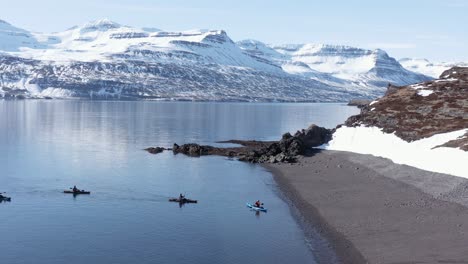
x=362, y=67
x=107, y=60
x=424, y=66
x=165, y=81
x=13, y=38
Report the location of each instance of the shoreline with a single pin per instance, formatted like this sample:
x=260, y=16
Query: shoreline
x=371, y=210
x=312, y=223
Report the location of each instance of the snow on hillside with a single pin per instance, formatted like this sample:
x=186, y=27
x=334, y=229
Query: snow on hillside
x=107, y=41
x=369, y=67
x=14, y=39
x=423, y=153
x=424, y=66
x=335, y=64
x=341, y=61
x=111, y=54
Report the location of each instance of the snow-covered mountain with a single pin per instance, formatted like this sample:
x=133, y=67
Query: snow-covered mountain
x=108, y=60
x=424, y=66
x=337, y=64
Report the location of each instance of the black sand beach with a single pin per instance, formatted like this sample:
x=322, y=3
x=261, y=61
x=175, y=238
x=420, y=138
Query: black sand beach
x=374, y=211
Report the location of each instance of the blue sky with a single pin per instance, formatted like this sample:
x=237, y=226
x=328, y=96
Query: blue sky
x=433, y=29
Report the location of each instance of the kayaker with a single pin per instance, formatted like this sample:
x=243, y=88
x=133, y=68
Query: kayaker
x=258, y=203
x=181, y=197
x=75, y=189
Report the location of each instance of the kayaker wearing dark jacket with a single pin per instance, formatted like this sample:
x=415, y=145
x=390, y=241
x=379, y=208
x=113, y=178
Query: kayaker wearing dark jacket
x=258, y=204
x=75, y=189
x=181, y=197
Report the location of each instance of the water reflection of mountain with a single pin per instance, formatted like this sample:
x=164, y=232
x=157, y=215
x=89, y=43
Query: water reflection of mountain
x=103, y=127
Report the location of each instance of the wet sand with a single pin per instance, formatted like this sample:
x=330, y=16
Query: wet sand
x=374, y=211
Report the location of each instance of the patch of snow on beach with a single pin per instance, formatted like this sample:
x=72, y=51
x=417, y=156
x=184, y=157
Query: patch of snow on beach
x=420, y=154
x=417, y=86
x=446, y=80
x=425, y=92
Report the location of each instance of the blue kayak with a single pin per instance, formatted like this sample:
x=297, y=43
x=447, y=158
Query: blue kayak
x=253, y=207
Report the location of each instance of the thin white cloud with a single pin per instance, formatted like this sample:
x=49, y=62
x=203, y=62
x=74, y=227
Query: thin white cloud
x=432, y=37
x=455, y=3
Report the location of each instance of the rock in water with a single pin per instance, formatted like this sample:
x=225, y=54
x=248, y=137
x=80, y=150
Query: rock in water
x=285, y=150
x=155, y=150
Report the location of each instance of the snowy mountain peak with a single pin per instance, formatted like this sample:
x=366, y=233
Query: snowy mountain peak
x=217, y=36
x=311, y=49
x=380, y=53
x=381, y=58
x=250, y=43
x=99, y=25
x=254, y=46
x=259, y=49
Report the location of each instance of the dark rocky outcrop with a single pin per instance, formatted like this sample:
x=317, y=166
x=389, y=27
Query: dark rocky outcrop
x=287, y=149
x=193, y=149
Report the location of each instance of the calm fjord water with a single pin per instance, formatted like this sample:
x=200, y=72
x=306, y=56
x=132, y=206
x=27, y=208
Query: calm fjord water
x=48, y=146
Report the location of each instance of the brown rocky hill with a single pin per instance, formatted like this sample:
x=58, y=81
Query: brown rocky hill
x=422, y=110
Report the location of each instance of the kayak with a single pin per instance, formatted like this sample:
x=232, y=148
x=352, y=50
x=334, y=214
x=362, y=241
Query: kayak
x=183, y=200
x=253, y=207
x=78, y=192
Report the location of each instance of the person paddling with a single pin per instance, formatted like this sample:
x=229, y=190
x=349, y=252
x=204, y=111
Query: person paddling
x=258, y=204
x=75, y=189
x=181, y=197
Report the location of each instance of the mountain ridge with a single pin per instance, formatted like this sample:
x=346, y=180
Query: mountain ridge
x=102, y=55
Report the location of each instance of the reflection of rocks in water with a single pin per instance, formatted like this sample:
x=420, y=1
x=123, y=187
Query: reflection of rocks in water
x=285, y=150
